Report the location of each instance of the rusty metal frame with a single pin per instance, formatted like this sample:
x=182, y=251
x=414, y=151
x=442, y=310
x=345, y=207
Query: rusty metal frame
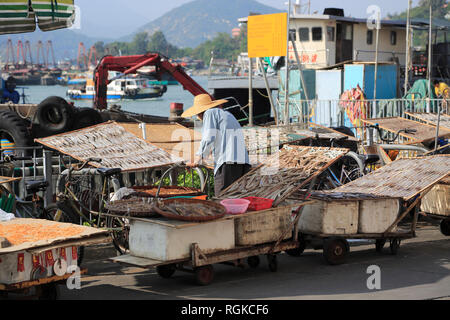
x=198, y=258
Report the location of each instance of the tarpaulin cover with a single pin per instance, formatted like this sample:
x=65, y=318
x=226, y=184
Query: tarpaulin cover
x=18, y=16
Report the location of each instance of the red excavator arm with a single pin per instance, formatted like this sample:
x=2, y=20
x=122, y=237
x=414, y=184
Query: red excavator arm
x=129, y=65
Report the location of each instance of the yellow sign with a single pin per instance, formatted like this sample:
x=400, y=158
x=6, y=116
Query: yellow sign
x=267, y=35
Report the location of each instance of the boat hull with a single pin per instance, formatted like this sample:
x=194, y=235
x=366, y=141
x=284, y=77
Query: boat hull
x=139, y=96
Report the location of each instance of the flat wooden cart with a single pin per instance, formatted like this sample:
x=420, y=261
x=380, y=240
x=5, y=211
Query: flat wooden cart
x=202, y=245
x=336, y=247
x=358, y=217
x=201, y=264
x=35, y=268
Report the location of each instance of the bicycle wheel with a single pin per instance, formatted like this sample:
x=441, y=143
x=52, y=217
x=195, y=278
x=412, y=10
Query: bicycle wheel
x=120, y=233
x=61, y=212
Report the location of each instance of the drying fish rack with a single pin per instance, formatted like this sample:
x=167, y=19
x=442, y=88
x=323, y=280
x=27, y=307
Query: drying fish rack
x=200, y=262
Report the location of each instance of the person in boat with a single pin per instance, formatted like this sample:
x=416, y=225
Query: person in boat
x=223, y=137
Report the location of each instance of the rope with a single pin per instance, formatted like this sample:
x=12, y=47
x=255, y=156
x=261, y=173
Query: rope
x=263, y=95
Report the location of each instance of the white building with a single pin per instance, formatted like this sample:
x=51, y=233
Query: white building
x=324, y=40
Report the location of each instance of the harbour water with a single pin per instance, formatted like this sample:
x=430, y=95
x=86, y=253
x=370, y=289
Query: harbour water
x=157, y=106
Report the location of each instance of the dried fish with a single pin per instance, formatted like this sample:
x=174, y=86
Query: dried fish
x=283, y=172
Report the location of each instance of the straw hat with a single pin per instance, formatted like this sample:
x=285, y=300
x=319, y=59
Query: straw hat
x=202, y=102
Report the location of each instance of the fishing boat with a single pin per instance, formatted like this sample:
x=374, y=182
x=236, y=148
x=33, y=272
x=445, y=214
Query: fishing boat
x=119, y=89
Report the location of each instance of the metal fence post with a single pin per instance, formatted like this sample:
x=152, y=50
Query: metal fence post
x=48, y=173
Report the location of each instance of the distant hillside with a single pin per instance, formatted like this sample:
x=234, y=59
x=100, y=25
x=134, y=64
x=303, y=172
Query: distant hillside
x=440, y=11
x=198, y=21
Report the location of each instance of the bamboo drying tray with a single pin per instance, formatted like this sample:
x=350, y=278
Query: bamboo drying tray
x=431, y=118
x=424, y=132
x=284, y=172
x=109, y=141
x=403, y=178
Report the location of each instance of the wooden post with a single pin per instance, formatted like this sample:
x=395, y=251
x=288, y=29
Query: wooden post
x=269, y=92
x=376, y=57
x=250, y=92
x=430, y=58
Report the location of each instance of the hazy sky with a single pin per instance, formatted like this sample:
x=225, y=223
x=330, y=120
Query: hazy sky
x=117, y=18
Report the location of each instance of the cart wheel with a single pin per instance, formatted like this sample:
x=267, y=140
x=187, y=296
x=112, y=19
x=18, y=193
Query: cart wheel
x=445, y=227
x=297, y=252
x=49, y=291
x=204, y=275
x=166, y=271
x=253, y=262
x=335, y=251
x=273, y=262
x=379, y=244
x=394, y=244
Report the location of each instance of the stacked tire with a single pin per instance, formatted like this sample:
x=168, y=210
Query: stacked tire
x=55, y=115
x=14, y=129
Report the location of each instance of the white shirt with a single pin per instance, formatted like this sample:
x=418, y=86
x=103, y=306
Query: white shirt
x=222, y=135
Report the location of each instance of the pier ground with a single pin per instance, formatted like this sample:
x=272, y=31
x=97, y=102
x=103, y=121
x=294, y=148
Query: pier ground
x=420, y=270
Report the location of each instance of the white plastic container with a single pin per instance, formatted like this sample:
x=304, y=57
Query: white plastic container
x=377, y=215
x=167, y=240
x=338, y=217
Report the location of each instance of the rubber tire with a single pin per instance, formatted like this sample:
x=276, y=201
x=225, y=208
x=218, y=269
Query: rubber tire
x=394, y=245
x=48, y=108
x=445, y=227
x=16, y=127
x=253, y=262
x=297, y=252
x=335, y=251
x=86, y=117
x=68, y=215
x=272, y=262
x=204, y=275
x=119, y=244
x=379, y=244
x=166, y=271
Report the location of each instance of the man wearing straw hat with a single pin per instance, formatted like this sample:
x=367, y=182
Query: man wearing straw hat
x=222, y=135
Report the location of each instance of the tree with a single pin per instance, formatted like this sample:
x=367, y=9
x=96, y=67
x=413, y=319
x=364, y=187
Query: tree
x=100, y=48
x=159, y=43
x=139, y=43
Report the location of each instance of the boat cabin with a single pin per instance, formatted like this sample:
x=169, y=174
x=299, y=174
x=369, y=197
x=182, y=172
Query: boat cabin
x=323, y=40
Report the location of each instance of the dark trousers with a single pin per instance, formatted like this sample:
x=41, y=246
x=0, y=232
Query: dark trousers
x=227, y=174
